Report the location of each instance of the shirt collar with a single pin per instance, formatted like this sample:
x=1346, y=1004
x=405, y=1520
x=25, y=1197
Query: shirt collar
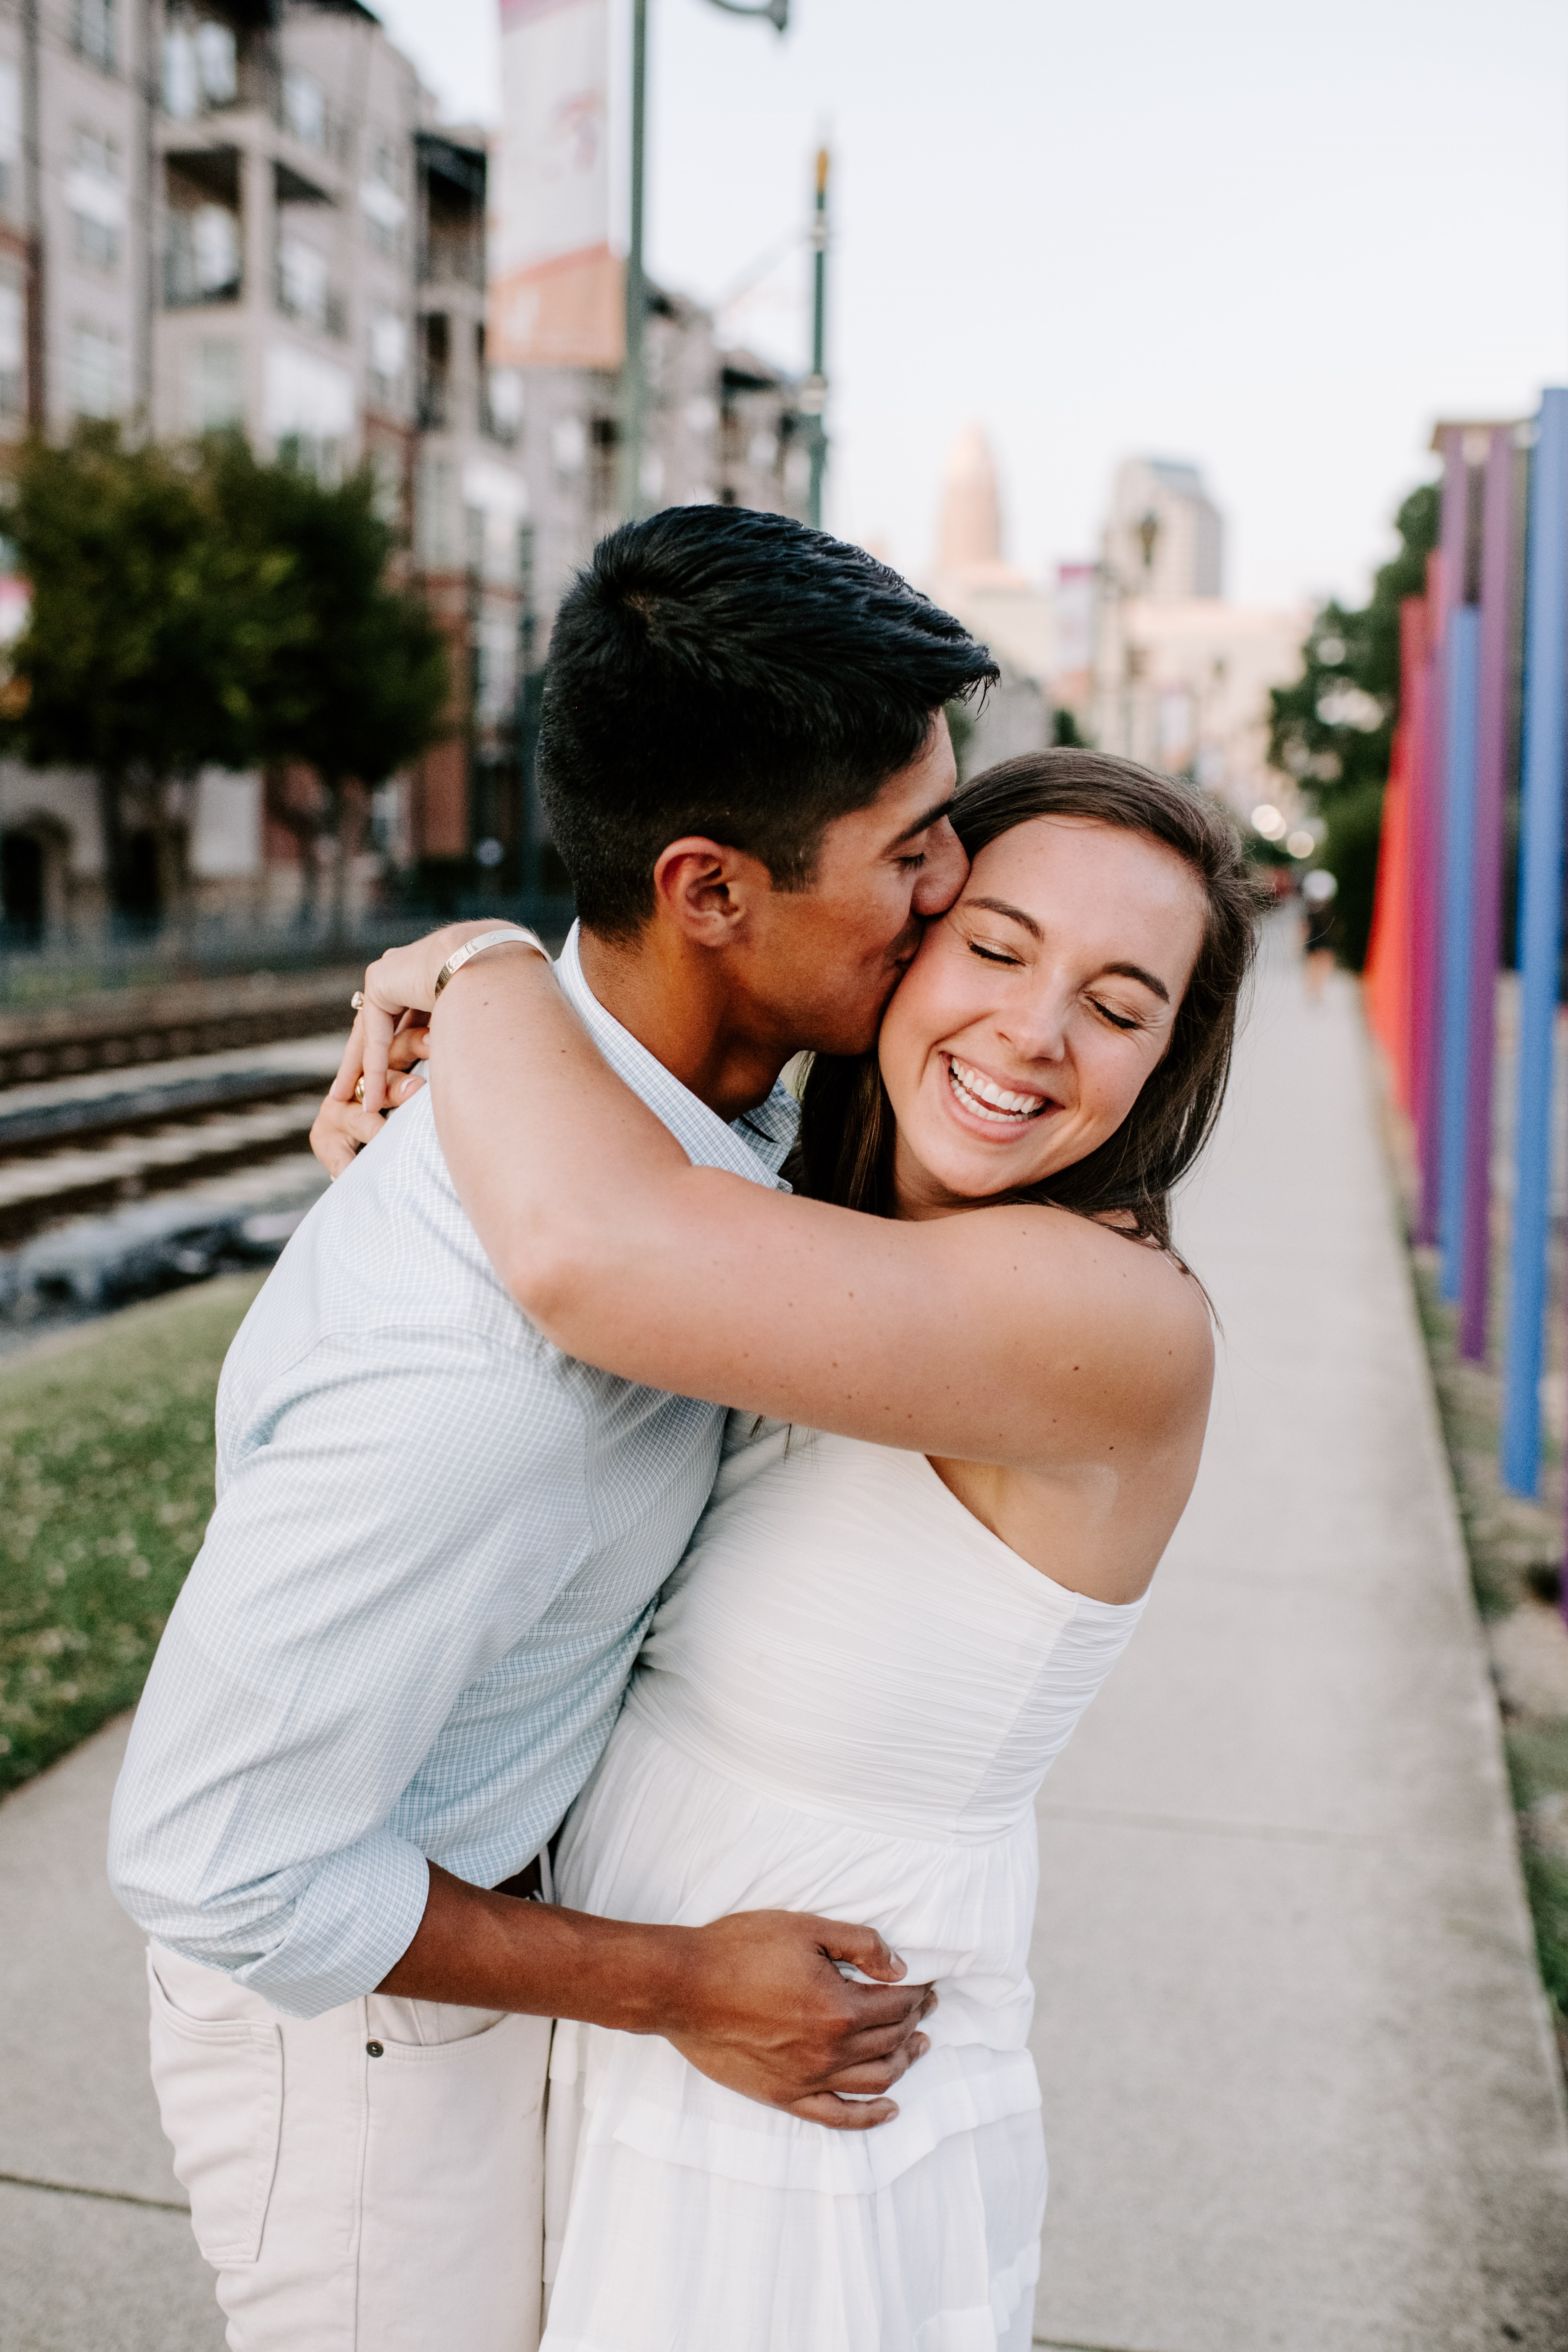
x=754, y=1147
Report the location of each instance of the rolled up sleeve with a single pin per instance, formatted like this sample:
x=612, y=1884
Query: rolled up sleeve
x=376, y=1549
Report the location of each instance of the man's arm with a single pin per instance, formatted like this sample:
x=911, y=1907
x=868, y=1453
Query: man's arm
x=754, y=2000
x=346, y=1597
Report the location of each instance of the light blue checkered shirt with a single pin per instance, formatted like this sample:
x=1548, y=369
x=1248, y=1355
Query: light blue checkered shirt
x=437, y=1544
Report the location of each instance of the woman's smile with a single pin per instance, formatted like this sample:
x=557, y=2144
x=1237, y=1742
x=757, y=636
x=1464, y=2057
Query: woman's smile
x=986, y=1100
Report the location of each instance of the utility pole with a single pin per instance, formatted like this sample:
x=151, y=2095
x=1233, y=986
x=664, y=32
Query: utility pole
x=634, y=373
x=813, y=398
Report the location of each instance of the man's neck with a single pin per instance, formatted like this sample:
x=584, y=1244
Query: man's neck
x=677, y=1002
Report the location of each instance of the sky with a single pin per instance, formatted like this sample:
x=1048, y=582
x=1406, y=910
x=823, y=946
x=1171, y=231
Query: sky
x=1278, y=241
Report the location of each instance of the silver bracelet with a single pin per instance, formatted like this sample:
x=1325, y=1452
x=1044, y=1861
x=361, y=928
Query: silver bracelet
x=471, y=947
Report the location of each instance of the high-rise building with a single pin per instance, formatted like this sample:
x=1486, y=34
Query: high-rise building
x=995, y=599
x=1181, y=676
x=1164, y=540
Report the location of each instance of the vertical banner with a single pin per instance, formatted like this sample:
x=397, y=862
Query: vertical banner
x=1462, y=669
x=1427, y=882
x=1543, y=767
x=1450, y=582
x=1386, y=983
x=1499, y=658
x=556, y=296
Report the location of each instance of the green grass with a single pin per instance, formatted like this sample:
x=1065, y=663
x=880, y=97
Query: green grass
x=1546, y=1878
x=106, y=1485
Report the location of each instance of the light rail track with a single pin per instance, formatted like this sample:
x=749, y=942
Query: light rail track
x=69, y=1147
x=187, y=1018
x=115, y=1183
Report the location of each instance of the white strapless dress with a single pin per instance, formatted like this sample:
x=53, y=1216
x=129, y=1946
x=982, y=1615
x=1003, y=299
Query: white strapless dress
x=846, y=1701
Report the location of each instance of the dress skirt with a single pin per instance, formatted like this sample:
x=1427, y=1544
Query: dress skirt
x=682, y=2217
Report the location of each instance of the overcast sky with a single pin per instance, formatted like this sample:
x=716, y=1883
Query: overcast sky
x=1276, y=240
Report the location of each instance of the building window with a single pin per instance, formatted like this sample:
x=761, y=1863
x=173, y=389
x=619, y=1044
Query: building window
x=95, y=199
x=216, y=386
x=436, y=517
x=12, y=348
x=495, y=670
x=305, y=110
x=201, y=66
x=318, y=455
x=92, y=31
x=95, y=371
x=503, y=404
x=387, y=469
x=388, y=356
x=201, y=263
x=10, y=140
x=381, y=201
x=303, y=291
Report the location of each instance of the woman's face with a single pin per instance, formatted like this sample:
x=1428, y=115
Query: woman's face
x=1036, y=1007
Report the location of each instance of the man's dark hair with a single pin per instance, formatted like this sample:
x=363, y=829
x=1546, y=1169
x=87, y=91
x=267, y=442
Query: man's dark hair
x=722, y=672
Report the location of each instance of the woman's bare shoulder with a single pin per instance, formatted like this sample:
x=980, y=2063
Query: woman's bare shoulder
x=1130, y=1314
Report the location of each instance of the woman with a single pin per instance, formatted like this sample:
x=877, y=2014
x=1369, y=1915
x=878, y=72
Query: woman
x=961, y=1446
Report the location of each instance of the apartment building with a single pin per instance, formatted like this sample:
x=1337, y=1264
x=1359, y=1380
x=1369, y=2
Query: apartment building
x=245, y=213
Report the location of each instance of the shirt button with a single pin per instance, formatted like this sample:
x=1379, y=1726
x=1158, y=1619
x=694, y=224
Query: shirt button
x=372, y=2049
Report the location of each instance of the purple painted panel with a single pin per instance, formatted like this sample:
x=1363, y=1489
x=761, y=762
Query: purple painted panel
x=1451, y=584
x=1501, y=553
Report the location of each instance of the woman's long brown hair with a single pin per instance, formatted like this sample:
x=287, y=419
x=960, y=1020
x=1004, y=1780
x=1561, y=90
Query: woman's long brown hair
x=847, y=1129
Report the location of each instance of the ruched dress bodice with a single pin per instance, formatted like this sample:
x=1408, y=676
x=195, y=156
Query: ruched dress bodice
x=844, y=1635
x=845, y=1704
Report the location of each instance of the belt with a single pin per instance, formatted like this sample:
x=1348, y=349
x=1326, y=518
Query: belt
x=528, y=1884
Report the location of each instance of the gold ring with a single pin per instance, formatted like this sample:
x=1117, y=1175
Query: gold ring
x=356, y=1000
x=359, y=1090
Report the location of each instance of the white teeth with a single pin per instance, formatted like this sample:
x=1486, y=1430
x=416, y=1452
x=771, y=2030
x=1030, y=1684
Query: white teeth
x=983, y=1096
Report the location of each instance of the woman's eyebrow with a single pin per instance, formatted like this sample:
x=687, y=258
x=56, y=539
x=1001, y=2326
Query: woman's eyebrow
x=1150, y=980
x=1014, y=914
x=1155, y=986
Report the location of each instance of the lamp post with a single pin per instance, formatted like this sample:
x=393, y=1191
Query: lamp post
x=634, y=377
x=813, y=398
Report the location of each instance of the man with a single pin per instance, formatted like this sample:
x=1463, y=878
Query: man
x=437, y=1540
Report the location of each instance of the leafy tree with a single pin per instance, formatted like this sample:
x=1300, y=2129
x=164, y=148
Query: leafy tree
x=358, y=684
x=1334, y=728
x=194, y=606
x=151, y=636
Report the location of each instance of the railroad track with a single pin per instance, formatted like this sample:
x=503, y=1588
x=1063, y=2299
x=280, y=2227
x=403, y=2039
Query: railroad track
x=156, y=1135
x=93, y=1146
x=187, y=1018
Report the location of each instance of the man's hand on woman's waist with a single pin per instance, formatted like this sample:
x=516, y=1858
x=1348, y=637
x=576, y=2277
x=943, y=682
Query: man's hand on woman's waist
x=756, y=2001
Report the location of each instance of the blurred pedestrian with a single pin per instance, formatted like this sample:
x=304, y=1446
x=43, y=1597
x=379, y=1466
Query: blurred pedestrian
x=1319, y=929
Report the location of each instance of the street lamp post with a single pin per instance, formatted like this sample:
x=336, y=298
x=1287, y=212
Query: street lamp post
x=634, y=374
x=814, y=399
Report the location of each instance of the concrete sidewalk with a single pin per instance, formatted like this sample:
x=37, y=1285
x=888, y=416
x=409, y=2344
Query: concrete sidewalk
x=1299, y=2090
x=96, y=2251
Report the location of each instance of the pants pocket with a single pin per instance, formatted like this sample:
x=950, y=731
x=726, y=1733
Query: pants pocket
x=220, y=2096
x=455, y=2168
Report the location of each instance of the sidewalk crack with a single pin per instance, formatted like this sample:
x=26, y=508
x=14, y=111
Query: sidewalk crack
x=110, y=2196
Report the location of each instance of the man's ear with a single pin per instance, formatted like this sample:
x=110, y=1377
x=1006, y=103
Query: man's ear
x=708, y=890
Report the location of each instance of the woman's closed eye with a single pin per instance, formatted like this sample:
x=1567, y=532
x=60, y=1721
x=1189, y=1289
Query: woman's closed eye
x=1116, y=1020
x=992, y=954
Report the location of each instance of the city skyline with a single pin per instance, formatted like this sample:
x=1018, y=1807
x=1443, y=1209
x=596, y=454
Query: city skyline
x=1274, y=249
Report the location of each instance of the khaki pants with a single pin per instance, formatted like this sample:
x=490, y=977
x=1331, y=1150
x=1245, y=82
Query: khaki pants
x=371, y=2180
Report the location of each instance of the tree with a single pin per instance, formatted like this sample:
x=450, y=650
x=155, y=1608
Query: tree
x=1334, y=728
x=358, y=684
x=192, y=606
x=150, y=636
